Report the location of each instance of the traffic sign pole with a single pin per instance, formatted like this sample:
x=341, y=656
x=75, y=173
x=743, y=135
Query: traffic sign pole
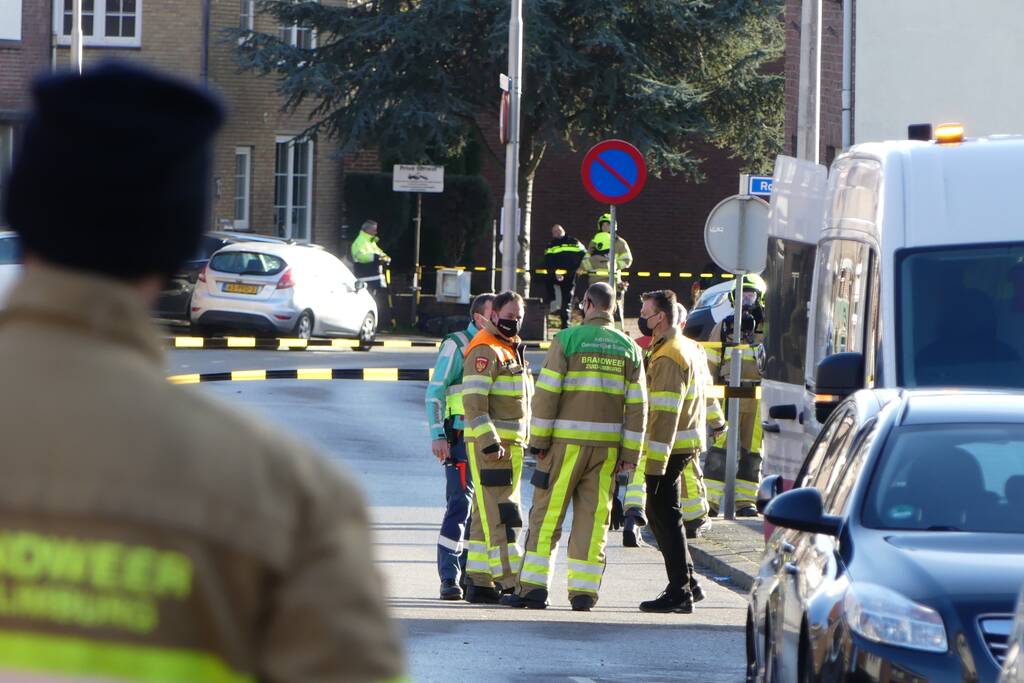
x=611, y=252
x=732, y=452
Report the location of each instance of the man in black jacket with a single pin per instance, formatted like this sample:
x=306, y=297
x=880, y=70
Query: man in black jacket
x=562, y=259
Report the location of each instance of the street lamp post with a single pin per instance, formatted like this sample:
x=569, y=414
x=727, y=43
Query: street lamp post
x=510, y=220
x=76, y=35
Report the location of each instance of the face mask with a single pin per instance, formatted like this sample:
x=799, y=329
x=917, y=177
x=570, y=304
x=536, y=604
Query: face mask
x=645, y=328
x=509, y=327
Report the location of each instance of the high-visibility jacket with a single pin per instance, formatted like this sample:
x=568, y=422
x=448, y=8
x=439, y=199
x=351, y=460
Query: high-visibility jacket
x=714, y=413
x=366, y=248
x=596, y=260
x=444, y=392
x=677, y=396
x=564, y=253
x=591, y=391
x=496, y=390
x=722, y=371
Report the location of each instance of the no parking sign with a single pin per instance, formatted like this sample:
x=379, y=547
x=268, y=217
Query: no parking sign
x=614, y=172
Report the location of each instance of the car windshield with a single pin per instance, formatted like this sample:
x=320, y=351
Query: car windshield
x=246, y=263
x=950, y=478
x=10, y=251
x=710, y=299
x=961, y=316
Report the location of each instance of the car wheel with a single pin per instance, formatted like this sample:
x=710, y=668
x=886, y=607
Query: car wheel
x=367, y=331
x=751, y=651
x=304, y=326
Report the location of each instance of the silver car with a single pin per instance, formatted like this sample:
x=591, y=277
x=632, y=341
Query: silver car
x=281, y=290
x=1013, y=665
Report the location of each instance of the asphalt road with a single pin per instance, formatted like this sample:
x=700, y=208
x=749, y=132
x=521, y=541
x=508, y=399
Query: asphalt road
x=376, y=431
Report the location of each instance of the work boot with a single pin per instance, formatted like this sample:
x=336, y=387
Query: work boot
x=698, y=527
x=535, y=599
x=746, y=511
x=582, y=603
x=482, y=595
x=450, y=590
x=669, y=602
x=713, y=512
x=696, y=591
x=631, y=533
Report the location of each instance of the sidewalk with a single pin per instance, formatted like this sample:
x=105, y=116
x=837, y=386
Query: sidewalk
x=731, y=551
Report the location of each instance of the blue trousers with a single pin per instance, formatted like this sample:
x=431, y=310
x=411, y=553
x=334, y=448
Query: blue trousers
x=451, y=543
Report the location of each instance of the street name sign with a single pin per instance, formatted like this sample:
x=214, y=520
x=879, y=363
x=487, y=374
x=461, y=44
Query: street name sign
x=759, y=186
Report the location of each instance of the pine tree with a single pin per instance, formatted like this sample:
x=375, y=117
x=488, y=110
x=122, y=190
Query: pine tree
x=413, y=77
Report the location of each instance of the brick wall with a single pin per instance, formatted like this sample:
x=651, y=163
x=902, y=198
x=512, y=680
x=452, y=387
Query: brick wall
x=831, y=76
x=21, y=61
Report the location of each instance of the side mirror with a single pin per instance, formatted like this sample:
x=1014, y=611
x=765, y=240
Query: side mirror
x=360, y=286
x=801, y=509
x=838, y=376
x=770, y=487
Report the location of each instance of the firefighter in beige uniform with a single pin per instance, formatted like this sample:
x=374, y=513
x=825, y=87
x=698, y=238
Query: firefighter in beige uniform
x=148, y=532
x=588, y=420
x=497, y=388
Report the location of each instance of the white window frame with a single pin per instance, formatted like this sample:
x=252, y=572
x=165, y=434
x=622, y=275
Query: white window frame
x=293, y=34
x=99, y=26
x=246, y=196
x=289, y=228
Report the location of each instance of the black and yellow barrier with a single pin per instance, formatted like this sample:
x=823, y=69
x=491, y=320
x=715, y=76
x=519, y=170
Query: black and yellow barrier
x=664, y=274
x=284, y=344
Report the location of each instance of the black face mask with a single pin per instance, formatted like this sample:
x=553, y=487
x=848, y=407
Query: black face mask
x=509, y=327
x=645, y=329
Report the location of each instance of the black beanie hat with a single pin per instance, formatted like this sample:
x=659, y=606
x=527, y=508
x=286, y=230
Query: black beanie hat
x=112, y=175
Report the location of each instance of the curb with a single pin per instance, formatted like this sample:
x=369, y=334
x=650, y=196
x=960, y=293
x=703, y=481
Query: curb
x=718, y=560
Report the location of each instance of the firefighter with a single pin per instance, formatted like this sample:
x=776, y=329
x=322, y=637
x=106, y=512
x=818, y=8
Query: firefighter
x=562, y=259
x=595, y=264
x=153, y=533
x=445, y=420
x=677, y=398
x=587, y=423
x=748, y=473
x=496, y=392
x=693, y=493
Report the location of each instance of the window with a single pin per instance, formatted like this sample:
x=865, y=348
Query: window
x=10, y=19
x=246, y=263
x=792, y=265
x=105, y=23
x=960, y=316
x=819, y=450
x=847, y=468
x=844, y=268
x=293, y=188
x=299, y=36
x=10, y=250
x=243, y=182
x=246, y=15
x=6, y=156
x=955, y=477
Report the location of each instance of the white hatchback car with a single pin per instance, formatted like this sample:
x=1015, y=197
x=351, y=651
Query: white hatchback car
x=281, y=289
x=10, y=263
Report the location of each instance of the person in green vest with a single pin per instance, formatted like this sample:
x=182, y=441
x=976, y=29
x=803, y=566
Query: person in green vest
x=596, y=263
x=369, y=258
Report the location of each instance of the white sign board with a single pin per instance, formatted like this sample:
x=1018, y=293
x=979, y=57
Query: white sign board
x=736, y=234
x=10, y=19
x=415, y=178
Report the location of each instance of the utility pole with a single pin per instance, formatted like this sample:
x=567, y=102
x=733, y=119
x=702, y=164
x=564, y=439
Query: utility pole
x=510, y=219
x=76, y=36
x=808, y=118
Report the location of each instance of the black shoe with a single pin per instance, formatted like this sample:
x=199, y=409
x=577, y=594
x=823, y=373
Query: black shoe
x=631, y=534
x=698, y=527
x=679, y=602
x=482, y=596
x=582, y=603
x=696, y=591
x=535, y=599
x=713, y=513
x=450, y=590
x=747, y=511
x=638, y=515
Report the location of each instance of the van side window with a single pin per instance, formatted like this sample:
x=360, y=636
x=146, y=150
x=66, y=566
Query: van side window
x=844, y=271
x=791, y=265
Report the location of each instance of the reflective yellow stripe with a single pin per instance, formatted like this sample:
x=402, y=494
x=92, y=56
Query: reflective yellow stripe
x=481, y=504
x=248, y=375
x=604, y=496
x=188, y=342
x=244, y=342
x=380, y=374
x=556, y=503
x=314, y=373
x=344, y=343
x=184, y=379
x=396, y=344
x=58, y=655
x=285, y=344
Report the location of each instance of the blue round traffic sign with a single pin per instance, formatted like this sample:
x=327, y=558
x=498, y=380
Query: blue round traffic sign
x=614, y=172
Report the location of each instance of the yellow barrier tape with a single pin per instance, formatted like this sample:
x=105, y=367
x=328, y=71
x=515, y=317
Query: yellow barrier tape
x=314, y=373
x=242, y=342
x=344, y=343
x=292, y=343
x=188, y=342
x=380, y=374
x=396, y=344
x=184, y=379
x=248, y=375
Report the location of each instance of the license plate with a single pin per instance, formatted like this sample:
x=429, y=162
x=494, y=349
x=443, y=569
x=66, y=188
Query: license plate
x=235, y=288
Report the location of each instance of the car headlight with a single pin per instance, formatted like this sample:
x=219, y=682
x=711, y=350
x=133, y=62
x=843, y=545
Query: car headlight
x=884, y=616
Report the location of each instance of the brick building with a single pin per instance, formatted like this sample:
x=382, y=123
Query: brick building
x=24, y=52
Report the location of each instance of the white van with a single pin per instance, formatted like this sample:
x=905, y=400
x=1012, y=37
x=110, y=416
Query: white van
x=918, y=276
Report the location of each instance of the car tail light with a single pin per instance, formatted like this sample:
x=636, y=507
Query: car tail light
x=202, y=274
x=286, y=281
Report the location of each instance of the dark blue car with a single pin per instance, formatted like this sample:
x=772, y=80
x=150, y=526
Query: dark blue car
x=900, y=551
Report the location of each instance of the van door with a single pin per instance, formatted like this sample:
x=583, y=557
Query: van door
x=795, y=220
